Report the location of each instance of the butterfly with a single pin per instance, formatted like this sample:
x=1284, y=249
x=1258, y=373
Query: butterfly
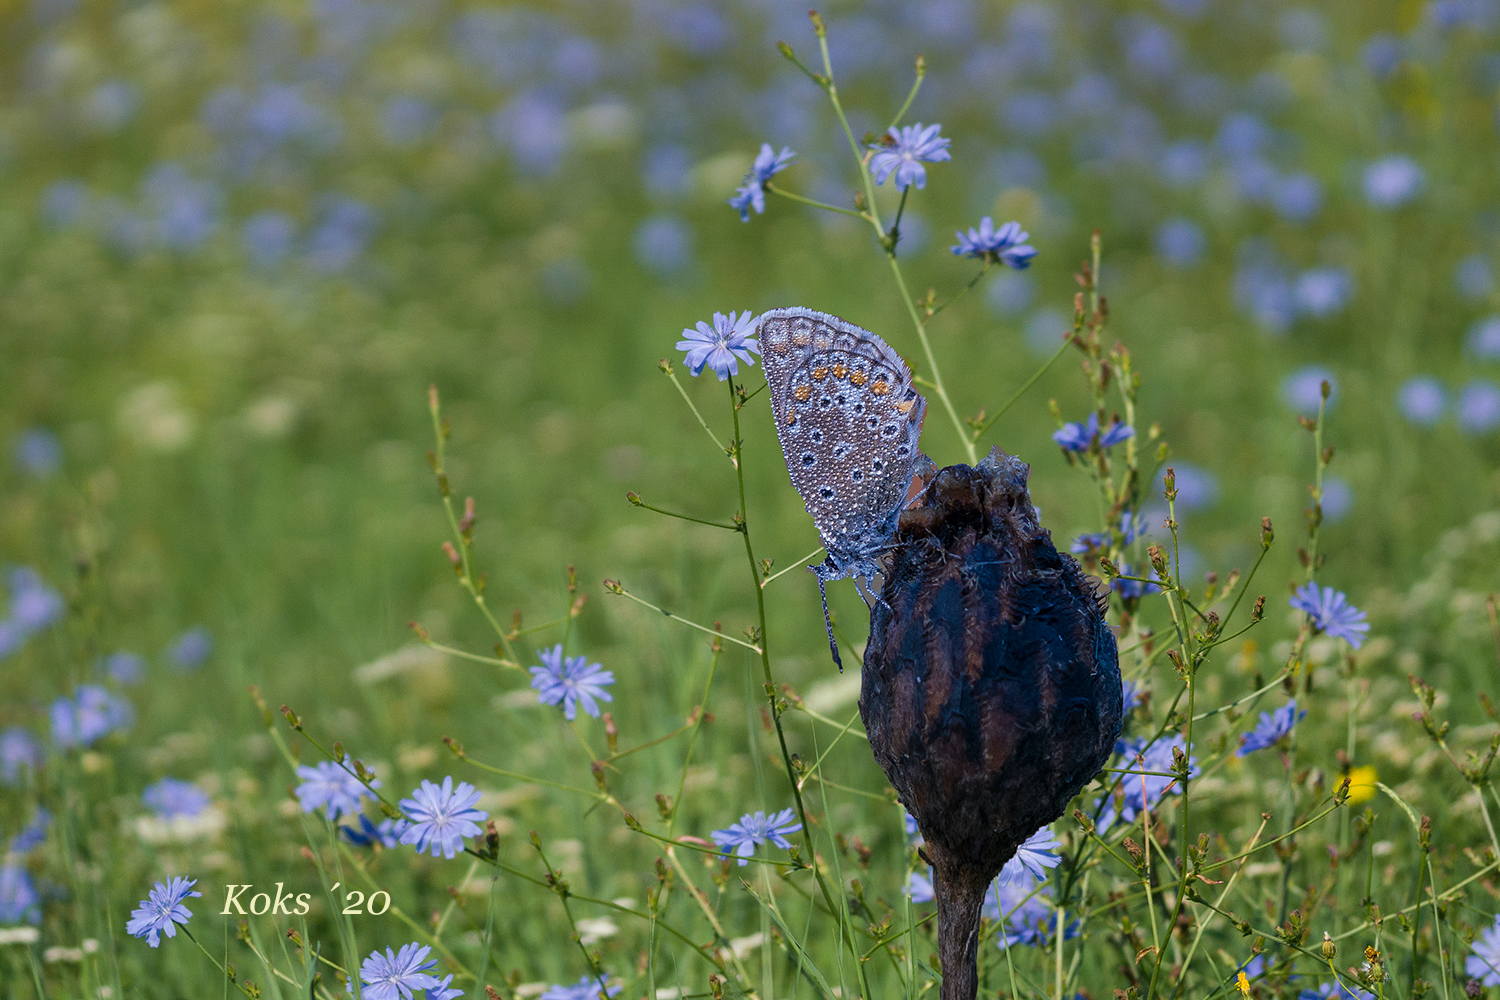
x=848, y=421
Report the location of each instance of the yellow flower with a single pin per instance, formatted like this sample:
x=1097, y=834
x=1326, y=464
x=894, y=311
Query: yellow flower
x=1244, y=984
x=1361, y=784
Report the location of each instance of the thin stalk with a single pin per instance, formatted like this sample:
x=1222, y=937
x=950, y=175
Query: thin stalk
x=1015, y=396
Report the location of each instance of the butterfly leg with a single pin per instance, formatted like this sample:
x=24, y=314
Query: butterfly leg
x=833, y=645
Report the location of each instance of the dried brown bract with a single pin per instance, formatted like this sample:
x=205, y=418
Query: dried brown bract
x=991, y=686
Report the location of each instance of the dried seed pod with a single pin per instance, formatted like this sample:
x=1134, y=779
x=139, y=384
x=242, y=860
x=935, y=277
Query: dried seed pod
x=990, y=689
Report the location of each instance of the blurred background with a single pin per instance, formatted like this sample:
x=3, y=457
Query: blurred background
x=239, y=240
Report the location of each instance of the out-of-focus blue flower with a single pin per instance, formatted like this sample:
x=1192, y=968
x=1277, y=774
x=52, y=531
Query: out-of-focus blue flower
x=332, y=788
x=919, y=888
x=586, y=988
x=1132, y=589
x=1273, y=726
x=1197, y=488
x=1131, y=693
x=1448, y=15
x=1180, y=242
x=1382, y=54
x=19, y=750
x=1336, y=991
x=12, y=637
x=125, y=668
x=1029, y=917
x=1475, y=280
x=1484, y=964
x=754, y=829
x=1297, y=197
x=1081, y=436
x=90, y=715
x=441, y=817
x=171, y=797
x=1331, y=612
x=720, y=348
x=1183, y=163
x=394, y=975
x=1242, y=135
x=667, y=171
x=1323, y=291
x=1264, y=291
x=533, y=129
x=1422, y=400
x=1032, y=858
x=1092, y=95
x=1484, y=338
x=1009, y=294
x=185, y=210
x=1393, y=181
x=110, y=105
x=1478, y=407
x=1338, y=498
x=663, y=243
x=33, y=835
x=1131, y=527
x=38, y=452
x=904, y=150
x=1190, y=9
x=1255, y=180
x=386, y=833
x=1141, y=790
x=1029, y=113
x=33, y=604
x=269, y=237
x=1046, y=329
x=1302, y=390
x=342, y=231
x=909, y=823
x=19, y=900
x=1007, y=244
x=162, y=911
x=768, y=163
x=191, y=649
x=1153, y=50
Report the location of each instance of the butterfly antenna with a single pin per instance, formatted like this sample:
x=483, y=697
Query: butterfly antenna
x=833, y=645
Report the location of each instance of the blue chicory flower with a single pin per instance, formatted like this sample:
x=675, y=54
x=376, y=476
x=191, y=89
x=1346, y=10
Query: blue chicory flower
x=1331, y=612
x=1422, y=400
x=441, y=817
x=19, y=750
x=191, y=648
x=386, y=833
x=33, y=604
x=1273, y=726
x=34, y=834
x=752, y=193
x=90, y=715
x=904, y=150
x=1478, y=407
x=394, y=975
x=919, y=888
x=171, y=797
x=1006, y=245
x=162, y=911
x=569, y=682
x=1484, y=964
x=1140, y=790
x=1080, y=437
x=1130, y=589
x=1393, y=181
x=1032, y=858
x=19, y=900
x=332, y=787
x=719, y=345
x=38, y=452
x=586, y=988
x=754, y=829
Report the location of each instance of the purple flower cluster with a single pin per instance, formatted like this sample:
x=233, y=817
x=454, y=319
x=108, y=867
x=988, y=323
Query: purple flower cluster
x=87, y=717
x=33, y=606
x=1080, y=437
x=752, y=193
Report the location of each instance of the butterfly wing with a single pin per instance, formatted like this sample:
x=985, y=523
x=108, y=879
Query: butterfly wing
x=848, y=421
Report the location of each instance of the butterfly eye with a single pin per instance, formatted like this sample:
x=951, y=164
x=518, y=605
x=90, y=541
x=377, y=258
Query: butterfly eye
x=857, y=475
x=816, y=437
x=859, y=407
x=824, y=402
x=889, y=430
x=877, y=465
x=826, y=493
x=809, y=460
